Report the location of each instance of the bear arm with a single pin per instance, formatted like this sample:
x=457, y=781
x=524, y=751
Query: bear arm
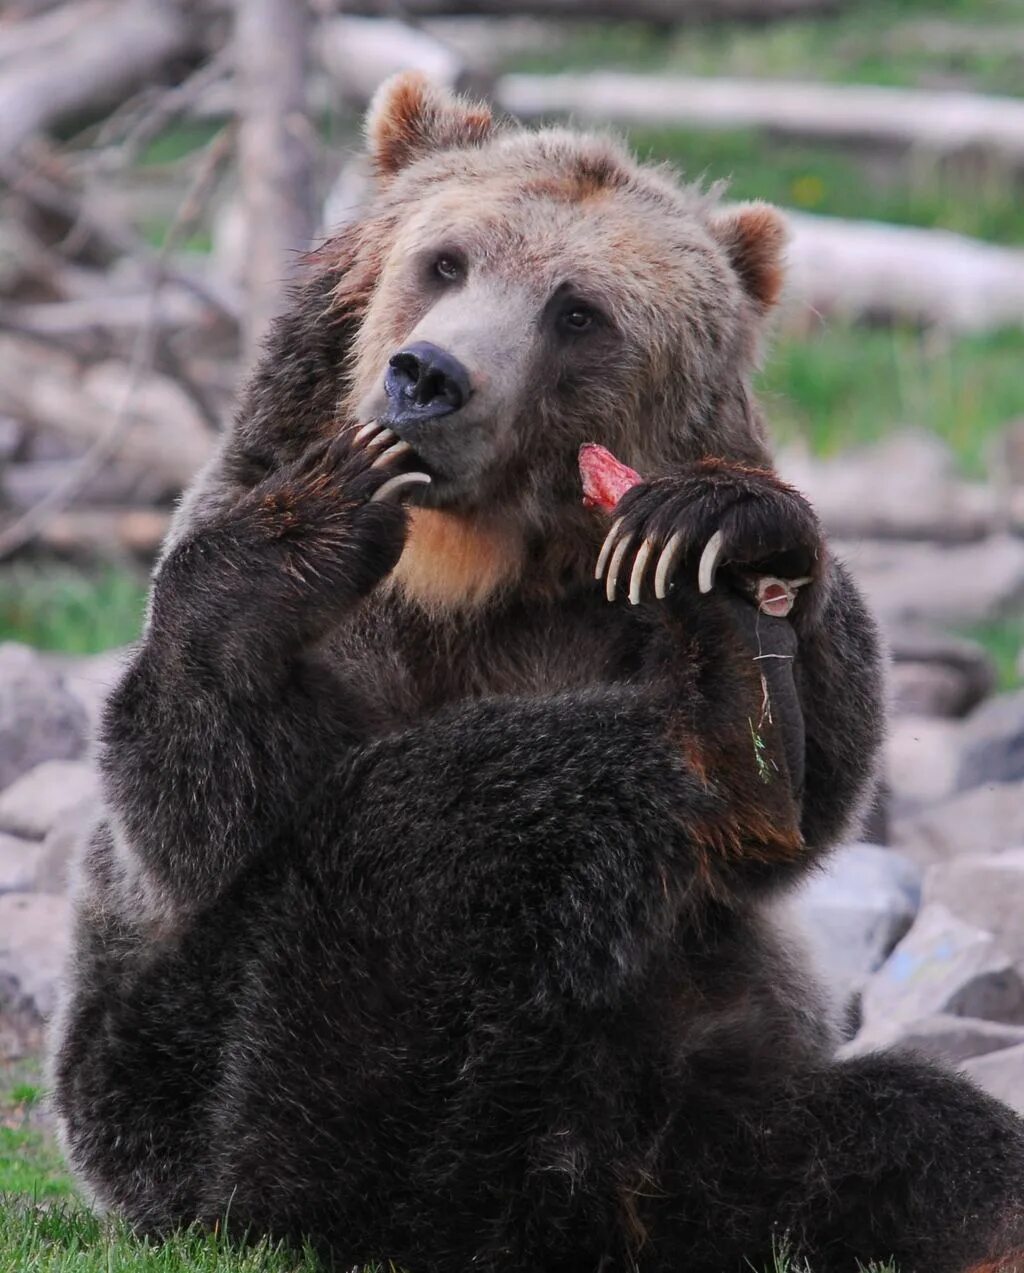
x=566, y=838
x=840, y=680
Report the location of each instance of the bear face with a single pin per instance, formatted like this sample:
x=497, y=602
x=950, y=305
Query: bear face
x=521, y=293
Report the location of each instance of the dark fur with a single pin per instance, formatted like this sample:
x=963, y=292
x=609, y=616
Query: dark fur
x=444, y=939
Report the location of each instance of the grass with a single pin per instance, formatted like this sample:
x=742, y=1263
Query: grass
x=1004, y=641
x=843, y=387
x=870, y=42
x=71, y=610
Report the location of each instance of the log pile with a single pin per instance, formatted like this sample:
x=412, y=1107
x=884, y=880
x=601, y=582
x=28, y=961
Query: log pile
x=119, y=356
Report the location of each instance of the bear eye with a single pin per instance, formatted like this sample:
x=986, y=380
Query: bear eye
x=577, y=317
x=448, y=267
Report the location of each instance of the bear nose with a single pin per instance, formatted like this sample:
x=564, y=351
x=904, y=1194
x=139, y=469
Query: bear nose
x=422, y=382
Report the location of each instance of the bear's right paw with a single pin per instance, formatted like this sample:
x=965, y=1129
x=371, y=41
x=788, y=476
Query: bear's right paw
x=336, y=515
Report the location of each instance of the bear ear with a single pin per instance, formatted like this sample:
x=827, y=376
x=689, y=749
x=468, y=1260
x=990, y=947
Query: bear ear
x=409, y=117
x=754, y=237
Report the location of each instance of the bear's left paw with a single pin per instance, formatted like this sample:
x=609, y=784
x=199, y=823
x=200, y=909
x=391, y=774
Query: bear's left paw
x=711, y=516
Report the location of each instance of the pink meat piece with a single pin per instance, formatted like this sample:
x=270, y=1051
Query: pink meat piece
x=605, y=479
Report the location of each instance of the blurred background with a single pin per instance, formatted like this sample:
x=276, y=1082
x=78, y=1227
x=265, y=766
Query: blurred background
x=163, y=163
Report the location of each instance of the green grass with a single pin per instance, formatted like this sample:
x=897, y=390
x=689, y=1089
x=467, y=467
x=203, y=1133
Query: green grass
x=971, y=197
x=844, y=387
x=870, y=42
x=1004, y=641
x=79, y=612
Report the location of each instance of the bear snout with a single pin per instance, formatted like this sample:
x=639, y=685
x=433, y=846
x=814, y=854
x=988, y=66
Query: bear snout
x=424, y=382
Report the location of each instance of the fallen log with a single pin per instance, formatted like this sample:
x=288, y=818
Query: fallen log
x=109, y=56
x=163, y=432
x=864, y=269
x=942, y=123
x=105, y=532
x=662, y=12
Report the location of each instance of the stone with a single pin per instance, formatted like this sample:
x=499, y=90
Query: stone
x=944, y=1038
x=907, y=582
x=20, y=861
x=855, y=911
x=58, y=851
x=922, y=757
x=985, y=820
x=34, y=934
x=944, y=966
x=1001, y=1074
x=31, y=806
x=928, y=689
x=39, y=719
x=986, y=890
x=994, y=743
x=90, y=679
x=904, y=487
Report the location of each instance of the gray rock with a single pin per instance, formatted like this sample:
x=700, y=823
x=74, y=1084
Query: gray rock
x=984, y=820
x=994, y=743
x=91, y=678
x=39, y=719
x=59, y=850
x=19, y=864
x=986, y=890
x=944, y=966
x=856, y=910
x=942, y=1038
x=935, y=674
x=904, y=487
x=34, y=932
x=935, y=583
x=31, y=806
x=922, y=758
x=1001, y=1074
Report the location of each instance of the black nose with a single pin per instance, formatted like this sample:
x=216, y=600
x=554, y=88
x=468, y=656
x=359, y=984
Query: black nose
x=423, y=382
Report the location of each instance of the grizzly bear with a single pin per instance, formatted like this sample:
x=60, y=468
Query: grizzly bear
x=431, y=917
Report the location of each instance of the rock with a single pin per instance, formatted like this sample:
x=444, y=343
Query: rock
x=943, y=966
x=986, y=890
x=1001, y=1074
x=34, y=932
x=941, y=1038
x=19, y=864
x=984, y=820
x=856, y=910
x=935, y=583
x=59, y=849
x=922, y=760
x=31, y=806
x=91, y=678
x=39, y=719
x=905, y=487
x=994, y=747
x=935, y=674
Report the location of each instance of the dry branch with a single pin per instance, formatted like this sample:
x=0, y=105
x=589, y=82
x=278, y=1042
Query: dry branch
x=275, y=144
x=943, y=123
x=110, y=53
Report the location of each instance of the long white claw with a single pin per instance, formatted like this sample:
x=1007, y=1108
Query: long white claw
x=384, y=438
x=606, y=548
x=367, y=431
x=666, y=565
x=636, y=579
x=392, y=453
x=398, y=483
x=709, y=562
x=616, y=563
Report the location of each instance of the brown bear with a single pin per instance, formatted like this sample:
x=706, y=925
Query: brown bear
x=431, y=918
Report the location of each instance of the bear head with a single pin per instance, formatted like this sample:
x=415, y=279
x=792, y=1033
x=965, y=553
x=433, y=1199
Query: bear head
x=518, y=292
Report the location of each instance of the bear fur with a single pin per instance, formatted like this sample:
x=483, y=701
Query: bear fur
x=431, y=916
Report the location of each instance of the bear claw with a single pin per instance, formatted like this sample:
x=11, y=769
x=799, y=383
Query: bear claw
x=397, y=483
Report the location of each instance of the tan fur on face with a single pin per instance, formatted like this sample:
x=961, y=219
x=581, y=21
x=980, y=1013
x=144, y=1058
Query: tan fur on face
x=451, y=562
